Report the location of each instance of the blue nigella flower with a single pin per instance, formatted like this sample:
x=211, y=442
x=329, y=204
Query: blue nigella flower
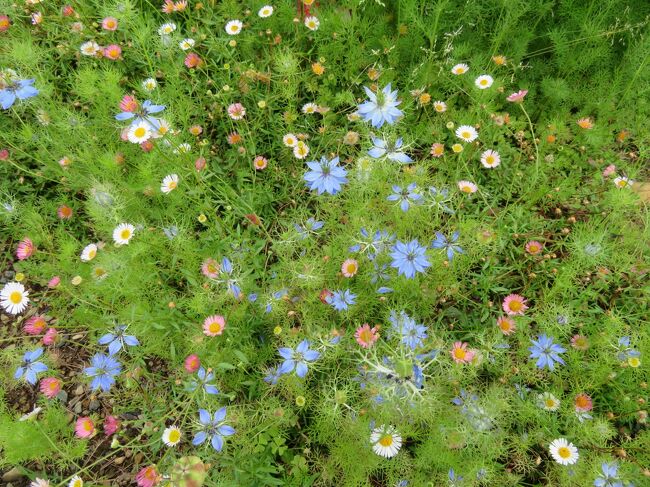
x=341, y=300
x=411, y=333
x=311, y=226
x=453, y=478
x=29, y=369
x=297, y=359
x=118, y=339
x=373, y=245
x=276, y=296
x=142, y=115
x=405, y=197
x=546, y=352
x=273, y=375
x=227, y=269
x=103, y=369
x=204, y=382
x=171, y=232
x=441, y=242
x=609, y=477
x=438, y=198
x=409, y=258
x=213, y=428
x=624, y=349
x=391, y=151
x=381, y=107
x=325, y=176
x=21, y=89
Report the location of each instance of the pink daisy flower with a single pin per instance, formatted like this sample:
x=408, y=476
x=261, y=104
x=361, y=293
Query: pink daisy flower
x=193, y=60
x=517, y=97
x=437, y=149
x=25, y=249
x=514, y=304
x=192, y=363
x=64, y=212
x=506, y=325
x=50, y=336
x=35, y=325
x=109, y=23
x=129, y=104
x=54, y=282
x=111, y=425
x=199, y=164
x=260, y=163
x=4, y=153
x=50, y=387
x=214, y=325
x=210, y=268
x=580, y=342
x=534, y=247
x=349, y=268
x=113, y=52
x=609, y=170
x=460, y=354
x=236, y=111
x=583, y=403
x=84, y=427
x=148, y=476
x=366, y=336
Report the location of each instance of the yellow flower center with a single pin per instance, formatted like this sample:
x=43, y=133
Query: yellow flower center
x=174, y=436
x=467, y=189
x=386, y=440
x=459, y=353
x=92, y=253
x=88, y=426
x=78, y=483
x=53, y=385
x=214, y=327
x=466, y=135
x=582, y=402
x=16, y=297
x=234, y=28
x=533, y=249
x=125, y=234
x=489, y=160
x=484, y=82
x=351, y=268
x=172, y=185
x=633, y=362
x=564, y=452
x=550, y=403
x=140, y=131
x=366, y=336
x=622, y=183
x=515, y=305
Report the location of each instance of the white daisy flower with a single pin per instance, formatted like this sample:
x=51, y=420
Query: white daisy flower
x=484, y=81
x=309, y=108
x=167, y=29
x=548, y=402
x=90, y=48
x=490, y=159
x=467, y=187
x=183, y=148
x=172, y=436
x=162, y=128
x=123, y=233
x=386, y=442
x=169, y=183
x=89, y=252
x=563, y=452
x=149, y=84
x=38, y=482
x=14, y=298
x=290, y=140
x=300, y=150
x=76, y=482
x=186, y=44
x=440, y=106
x=312, y=22
x=623, y=182
x=139, y=132
x=461, y=68
x=467, y=133
x=265, y=11
x=234, y=27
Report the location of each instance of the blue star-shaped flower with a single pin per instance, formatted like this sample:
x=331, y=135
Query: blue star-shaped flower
x=381, y=107
x=441, y=242
x=29, y=369
x=391, y=151
x=325, y=176
x=20, y=89
x=406, y=197
x=297, y=359
x=117, y=340
x=213, y=428
x=546, y=352
x=409, y=258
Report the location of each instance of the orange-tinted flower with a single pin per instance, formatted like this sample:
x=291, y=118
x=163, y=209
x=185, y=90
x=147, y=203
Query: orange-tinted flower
x=585, y=123
x=192, y=60
x=113, y=52
x=64, y=212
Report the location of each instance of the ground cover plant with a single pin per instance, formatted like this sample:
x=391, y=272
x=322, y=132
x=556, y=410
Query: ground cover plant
x=332, y=244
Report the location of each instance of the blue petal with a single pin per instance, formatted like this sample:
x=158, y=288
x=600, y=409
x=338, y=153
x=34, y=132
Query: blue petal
x=217, y=442
x=226, y=430
x=7, y=99
x=219, y=415
x=204, y=417
x=199, y=438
